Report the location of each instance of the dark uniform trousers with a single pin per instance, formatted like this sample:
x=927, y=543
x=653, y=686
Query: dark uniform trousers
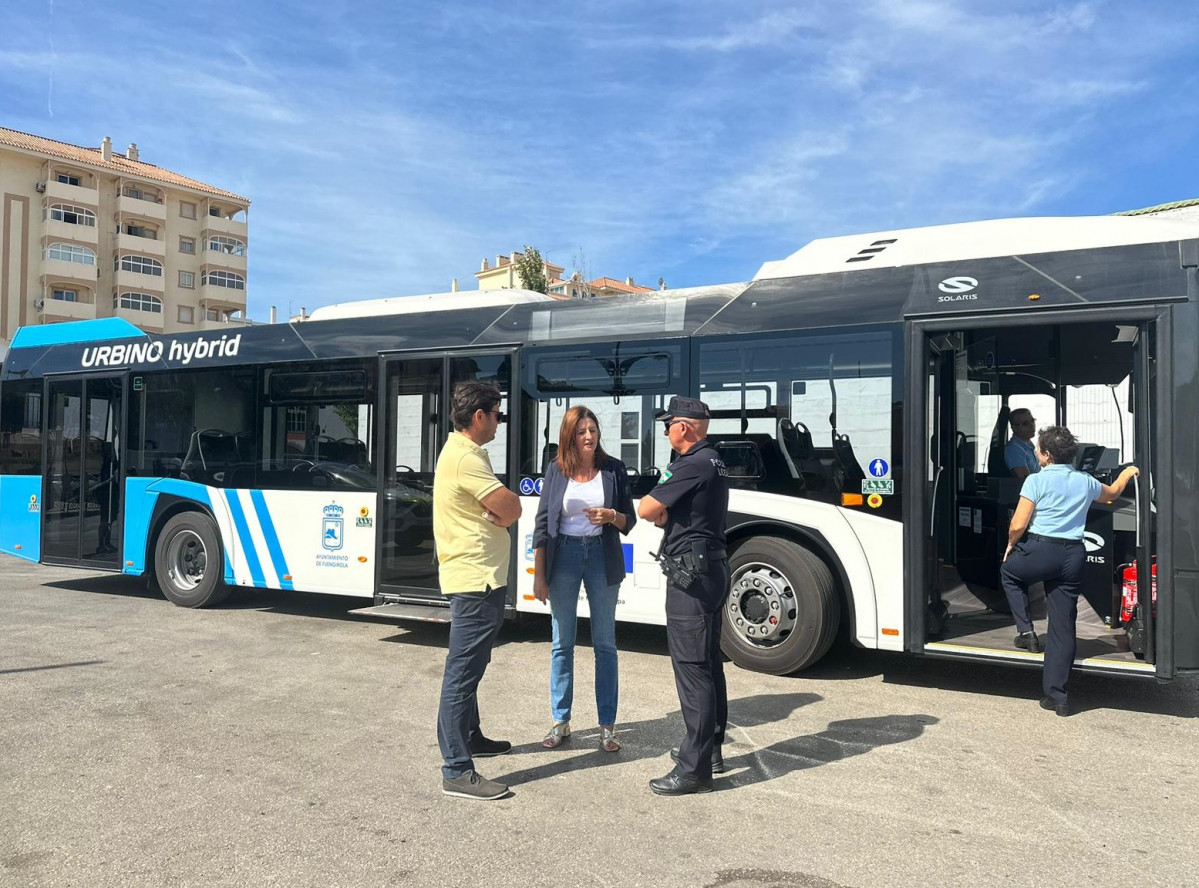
x=1059, y=564
x=693, y=619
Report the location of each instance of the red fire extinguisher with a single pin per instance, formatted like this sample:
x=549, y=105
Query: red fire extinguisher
x=1128, y=597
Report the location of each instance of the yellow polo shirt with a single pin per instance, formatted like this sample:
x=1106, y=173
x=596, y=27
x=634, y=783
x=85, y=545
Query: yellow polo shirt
x=472, y=553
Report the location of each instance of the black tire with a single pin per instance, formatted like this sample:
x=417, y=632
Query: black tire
x=188, y=562
x=783, y=611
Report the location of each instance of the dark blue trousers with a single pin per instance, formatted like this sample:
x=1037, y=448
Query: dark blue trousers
x=475, y=620
x=693, y=619
x=1059, y=565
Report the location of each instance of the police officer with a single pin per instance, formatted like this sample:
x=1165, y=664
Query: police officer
x=691, y=502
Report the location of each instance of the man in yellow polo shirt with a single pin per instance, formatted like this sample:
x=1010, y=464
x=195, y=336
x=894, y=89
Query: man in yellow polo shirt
x=471, y=513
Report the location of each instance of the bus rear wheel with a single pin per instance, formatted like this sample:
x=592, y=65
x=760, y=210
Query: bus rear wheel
x=782, y=612
x=188, y=562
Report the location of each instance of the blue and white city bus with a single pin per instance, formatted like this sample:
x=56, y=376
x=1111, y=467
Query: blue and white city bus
x=860, y=391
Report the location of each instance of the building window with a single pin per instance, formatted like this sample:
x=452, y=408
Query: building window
x=142, y=231
x=214, y=211
x=72, y=215
x=71, y=253
x=229, y=245
x=187, y=280
x=224, y=279
x=139, y=302
x=67, y=179
x=187, y=209
x=141, y=265
x=65, y=295
x=187, y=314
x=187, y=245
x=141, y=194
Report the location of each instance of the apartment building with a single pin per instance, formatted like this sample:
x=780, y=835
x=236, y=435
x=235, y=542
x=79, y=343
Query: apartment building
x=93, y=233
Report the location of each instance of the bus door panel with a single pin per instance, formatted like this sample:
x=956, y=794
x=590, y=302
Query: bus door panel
x=83, y=478
x=415, y=423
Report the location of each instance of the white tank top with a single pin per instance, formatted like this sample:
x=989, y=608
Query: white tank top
x=580, y=496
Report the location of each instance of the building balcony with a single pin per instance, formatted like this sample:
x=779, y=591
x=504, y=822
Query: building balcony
x=61, y=269
x=221, y=225
x=222, y=298
x=207, y=323
x=150, y=321
x=54, y=230
x=58, y=310
x=147, y=246
x=78, y=195
x=136, y=282
x=227, y=261
x=146, y=209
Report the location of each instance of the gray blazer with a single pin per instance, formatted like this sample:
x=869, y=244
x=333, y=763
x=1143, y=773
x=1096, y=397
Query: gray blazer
x=618, y=495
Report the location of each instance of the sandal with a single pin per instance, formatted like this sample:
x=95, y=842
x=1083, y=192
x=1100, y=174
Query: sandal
x=608, y=741
x=558, y=735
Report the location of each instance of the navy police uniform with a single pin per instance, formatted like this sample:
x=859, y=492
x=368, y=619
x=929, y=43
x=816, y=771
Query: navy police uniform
x=695, y=490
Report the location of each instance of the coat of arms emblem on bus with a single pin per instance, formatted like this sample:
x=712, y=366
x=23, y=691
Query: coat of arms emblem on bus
x=332, y=527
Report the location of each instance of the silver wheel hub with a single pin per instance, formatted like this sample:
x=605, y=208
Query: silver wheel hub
x=187, y=560
x=761, y=608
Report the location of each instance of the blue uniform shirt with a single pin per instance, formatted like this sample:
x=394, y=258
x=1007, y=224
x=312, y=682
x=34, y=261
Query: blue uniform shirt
x=1019, y=452
x=1062, y=496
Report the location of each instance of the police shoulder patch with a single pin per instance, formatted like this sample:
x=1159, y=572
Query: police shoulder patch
x=665, y=477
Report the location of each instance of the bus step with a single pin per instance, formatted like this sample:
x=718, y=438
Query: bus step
x=403, y=611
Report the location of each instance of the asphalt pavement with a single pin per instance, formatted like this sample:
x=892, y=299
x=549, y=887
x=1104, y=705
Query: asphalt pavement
x=279, y=740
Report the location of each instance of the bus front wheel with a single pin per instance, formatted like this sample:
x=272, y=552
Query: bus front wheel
x=188, y=563
x=782, y=612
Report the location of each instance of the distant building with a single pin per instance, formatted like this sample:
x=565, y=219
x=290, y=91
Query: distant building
x=90, y=233
x=1179, y=209
x=503, y=276
x=606, y=286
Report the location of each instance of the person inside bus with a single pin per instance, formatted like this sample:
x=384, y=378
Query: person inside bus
x=586, y=503
x=1020, y=456
x=1045, y=545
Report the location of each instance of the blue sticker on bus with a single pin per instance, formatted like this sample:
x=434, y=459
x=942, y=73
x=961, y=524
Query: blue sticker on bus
x=879, y=468
x=538, y=484
x=526, y=486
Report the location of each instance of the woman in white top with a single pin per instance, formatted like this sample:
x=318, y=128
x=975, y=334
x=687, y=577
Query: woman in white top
x=586, y=503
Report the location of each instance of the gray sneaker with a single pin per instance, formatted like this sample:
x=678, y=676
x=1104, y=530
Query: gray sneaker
x=473, y=785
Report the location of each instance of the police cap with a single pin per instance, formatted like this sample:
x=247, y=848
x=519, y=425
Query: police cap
x=684, y=408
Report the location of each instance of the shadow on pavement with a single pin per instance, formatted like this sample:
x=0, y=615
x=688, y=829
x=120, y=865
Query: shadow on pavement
x=840, y=740
x=646, y=739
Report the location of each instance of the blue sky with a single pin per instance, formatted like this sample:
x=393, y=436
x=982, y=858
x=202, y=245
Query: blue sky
x=389, y=146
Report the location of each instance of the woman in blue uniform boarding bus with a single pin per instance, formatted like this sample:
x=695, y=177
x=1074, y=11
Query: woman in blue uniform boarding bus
x=1045, y=545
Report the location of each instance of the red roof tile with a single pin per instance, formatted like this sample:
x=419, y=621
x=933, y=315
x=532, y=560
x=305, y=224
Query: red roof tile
x=118, y=164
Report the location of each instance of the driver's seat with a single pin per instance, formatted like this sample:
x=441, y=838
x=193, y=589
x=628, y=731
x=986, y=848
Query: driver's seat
x=996, y=464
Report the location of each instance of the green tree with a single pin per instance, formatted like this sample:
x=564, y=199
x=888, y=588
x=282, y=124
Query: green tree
x=531, y=269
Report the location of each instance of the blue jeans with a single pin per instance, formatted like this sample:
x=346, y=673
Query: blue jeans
x=475, y=620
x=579, y=561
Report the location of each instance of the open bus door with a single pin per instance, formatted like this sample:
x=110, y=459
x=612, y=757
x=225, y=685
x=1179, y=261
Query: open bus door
x=1093, y=372
x=83, y=473
x=415, y=395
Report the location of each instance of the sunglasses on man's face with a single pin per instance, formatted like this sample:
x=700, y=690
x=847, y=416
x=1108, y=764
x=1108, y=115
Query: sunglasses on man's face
x=500, y=415
x=668, y=423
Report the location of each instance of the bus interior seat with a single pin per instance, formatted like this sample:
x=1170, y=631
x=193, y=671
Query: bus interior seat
x=996, y=464
x=851, y=471
x=549, y=453
x=799, y=453
x=208, y=452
